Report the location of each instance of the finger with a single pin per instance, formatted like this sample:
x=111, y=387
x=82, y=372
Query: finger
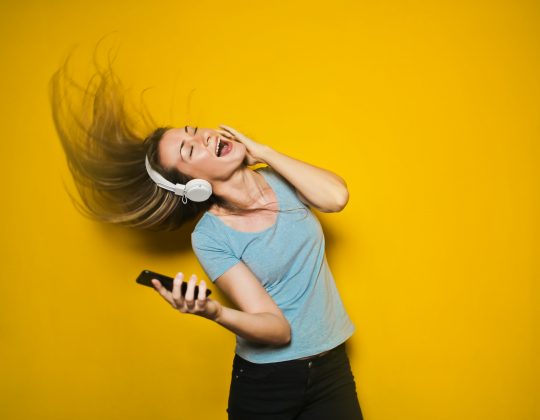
x=225, y=127
x=190, y=292
x=201, y=299
x=237, y=134
x=225, y=134
x=229, y=129
x=157, y=285
x=176, y=293
x=162, y=290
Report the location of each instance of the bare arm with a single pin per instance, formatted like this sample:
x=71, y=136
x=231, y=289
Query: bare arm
x=317, y=187
x=258, y=319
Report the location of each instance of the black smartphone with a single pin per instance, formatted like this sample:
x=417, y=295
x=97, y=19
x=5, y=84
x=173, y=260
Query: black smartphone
x=146, y=276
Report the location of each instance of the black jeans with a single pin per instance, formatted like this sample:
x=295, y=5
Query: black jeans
x=321, y=388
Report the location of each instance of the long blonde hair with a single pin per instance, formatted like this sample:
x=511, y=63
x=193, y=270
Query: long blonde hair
x=106, y=154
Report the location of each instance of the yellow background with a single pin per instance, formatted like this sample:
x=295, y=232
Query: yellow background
x=429, y=110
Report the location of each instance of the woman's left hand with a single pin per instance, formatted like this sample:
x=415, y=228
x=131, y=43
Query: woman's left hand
x=188, y=303
x=255, y=151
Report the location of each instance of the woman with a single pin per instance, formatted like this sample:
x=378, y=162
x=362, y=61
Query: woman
x=256, y=239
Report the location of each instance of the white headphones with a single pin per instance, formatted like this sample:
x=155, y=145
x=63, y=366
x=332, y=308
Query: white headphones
x=196, y=189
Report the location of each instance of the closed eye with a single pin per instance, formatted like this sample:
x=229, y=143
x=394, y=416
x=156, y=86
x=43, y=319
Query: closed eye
x=191, y=152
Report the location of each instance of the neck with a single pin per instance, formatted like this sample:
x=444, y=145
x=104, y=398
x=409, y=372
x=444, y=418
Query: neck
x=245, y=189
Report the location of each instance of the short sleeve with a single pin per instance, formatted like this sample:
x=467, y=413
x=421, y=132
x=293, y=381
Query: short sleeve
x=215, y=257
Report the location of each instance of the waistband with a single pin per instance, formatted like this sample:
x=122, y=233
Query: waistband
x=301, y=361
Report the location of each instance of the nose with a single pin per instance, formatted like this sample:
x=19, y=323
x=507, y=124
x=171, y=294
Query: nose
x=201, y=137
x=206, y=135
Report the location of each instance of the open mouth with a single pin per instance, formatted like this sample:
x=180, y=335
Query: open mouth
x=223, y=147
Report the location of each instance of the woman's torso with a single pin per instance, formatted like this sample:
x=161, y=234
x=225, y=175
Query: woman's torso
x=286, y=254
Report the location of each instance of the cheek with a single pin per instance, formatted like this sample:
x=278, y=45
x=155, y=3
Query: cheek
x=189, y=170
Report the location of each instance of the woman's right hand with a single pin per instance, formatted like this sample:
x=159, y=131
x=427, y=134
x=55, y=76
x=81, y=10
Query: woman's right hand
x=191, y=304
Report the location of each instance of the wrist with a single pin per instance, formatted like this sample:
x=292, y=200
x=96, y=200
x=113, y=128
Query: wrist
x=265, y=154
x=217, y=316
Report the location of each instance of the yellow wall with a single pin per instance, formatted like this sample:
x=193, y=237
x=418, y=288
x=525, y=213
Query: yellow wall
x=430, y=111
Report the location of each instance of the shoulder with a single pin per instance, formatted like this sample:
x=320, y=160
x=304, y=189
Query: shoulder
x=203, y=224
x=209, y=237
x=283, y=185
x=206, y=231
x=274, y=178
x=266, y=171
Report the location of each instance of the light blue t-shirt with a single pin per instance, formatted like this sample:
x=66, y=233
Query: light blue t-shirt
x=289, y=260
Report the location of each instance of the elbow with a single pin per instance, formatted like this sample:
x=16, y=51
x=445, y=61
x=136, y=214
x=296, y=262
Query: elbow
x=342, y=200
x=339, y=202
x=286, y=339
x=283, y=336
x=342, y=196
x=283, y=340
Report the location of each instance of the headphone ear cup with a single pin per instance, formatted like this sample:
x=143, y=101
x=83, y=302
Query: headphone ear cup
x=198, y=190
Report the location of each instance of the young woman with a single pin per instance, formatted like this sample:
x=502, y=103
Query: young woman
x=256, y=239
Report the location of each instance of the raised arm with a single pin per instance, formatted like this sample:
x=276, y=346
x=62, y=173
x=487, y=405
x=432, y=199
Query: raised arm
x=317, y=187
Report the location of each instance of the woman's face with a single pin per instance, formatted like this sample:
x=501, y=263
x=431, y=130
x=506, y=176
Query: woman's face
x=194, y=152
